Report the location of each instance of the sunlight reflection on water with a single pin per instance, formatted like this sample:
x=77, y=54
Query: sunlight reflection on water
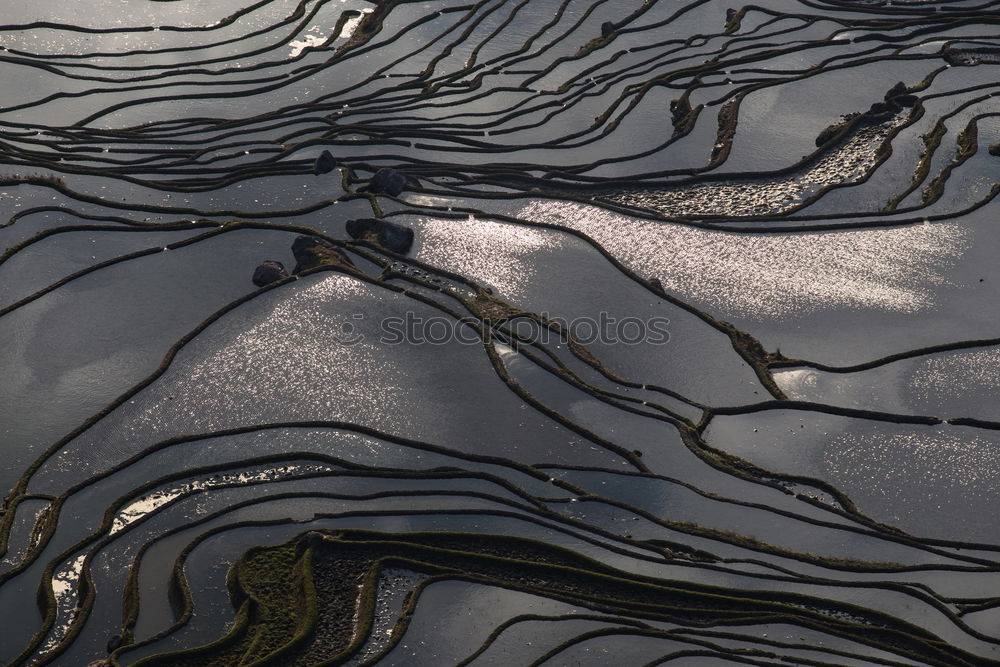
x=956, y=375
x=501, y=255
x=775, y=275
x=938, y=483
x=296, y=360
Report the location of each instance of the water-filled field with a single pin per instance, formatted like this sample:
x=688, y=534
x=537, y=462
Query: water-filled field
x=509, y=332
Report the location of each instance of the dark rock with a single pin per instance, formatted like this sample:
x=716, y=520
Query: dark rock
x=389, y=235
x=880, y=112
x=607, y=28
x=656, y=284
x=994, y=149
x=734, y=19
x=114, y=643
x=877, y=113
x=303, y=244
x=390, y=181
x=881, y=108
x=311, y=252
x=325, y=163
x=900, y=95
x=680, y=109
x=269, y=272
x=898, y=89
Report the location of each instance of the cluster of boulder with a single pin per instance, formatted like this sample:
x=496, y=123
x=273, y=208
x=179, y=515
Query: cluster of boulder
x=386, y=180
x=895, y=99
x=312, y=251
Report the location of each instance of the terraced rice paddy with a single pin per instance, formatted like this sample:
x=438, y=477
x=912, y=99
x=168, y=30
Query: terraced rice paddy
x=693, y=358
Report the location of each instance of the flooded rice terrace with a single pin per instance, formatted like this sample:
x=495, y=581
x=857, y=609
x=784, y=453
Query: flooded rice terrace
x=509, y=332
